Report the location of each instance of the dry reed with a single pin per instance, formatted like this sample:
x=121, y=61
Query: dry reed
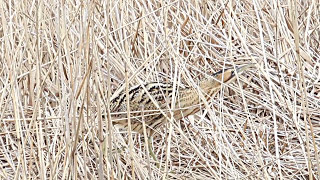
x=61, y=61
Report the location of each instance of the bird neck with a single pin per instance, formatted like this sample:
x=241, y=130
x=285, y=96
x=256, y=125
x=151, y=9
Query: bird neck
x=209, y=86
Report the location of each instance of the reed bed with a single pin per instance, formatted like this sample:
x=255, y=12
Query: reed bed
x=62, y=61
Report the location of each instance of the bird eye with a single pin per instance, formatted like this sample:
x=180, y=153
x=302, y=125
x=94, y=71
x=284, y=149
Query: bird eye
x=232, y=73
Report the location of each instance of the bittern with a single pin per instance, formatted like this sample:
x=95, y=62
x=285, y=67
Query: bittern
x=186, y=104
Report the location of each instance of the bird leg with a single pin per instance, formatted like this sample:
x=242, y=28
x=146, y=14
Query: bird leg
x=151, y=152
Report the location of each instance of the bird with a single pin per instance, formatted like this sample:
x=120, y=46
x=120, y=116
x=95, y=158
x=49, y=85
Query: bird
x=187, y=101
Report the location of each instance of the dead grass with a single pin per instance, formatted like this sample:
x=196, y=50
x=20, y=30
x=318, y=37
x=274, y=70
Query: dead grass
x=56, y=61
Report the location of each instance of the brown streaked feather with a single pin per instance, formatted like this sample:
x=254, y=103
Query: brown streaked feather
x=187, y=102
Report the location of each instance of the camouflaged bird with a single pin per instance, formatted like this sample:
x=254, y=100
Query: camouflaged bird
x=187, y=102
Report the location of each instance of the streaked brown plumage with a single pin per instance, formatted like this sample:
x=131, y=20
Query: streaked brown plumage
x=187, y=101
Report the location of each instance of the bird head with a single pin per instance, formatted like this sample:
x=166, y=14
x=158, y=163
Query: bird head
x=224, y=76
x=228, y=75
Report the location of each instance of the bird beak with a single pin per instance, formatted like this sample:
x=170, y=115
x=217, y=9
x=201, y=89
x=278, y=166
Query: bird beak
x=240, y=69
